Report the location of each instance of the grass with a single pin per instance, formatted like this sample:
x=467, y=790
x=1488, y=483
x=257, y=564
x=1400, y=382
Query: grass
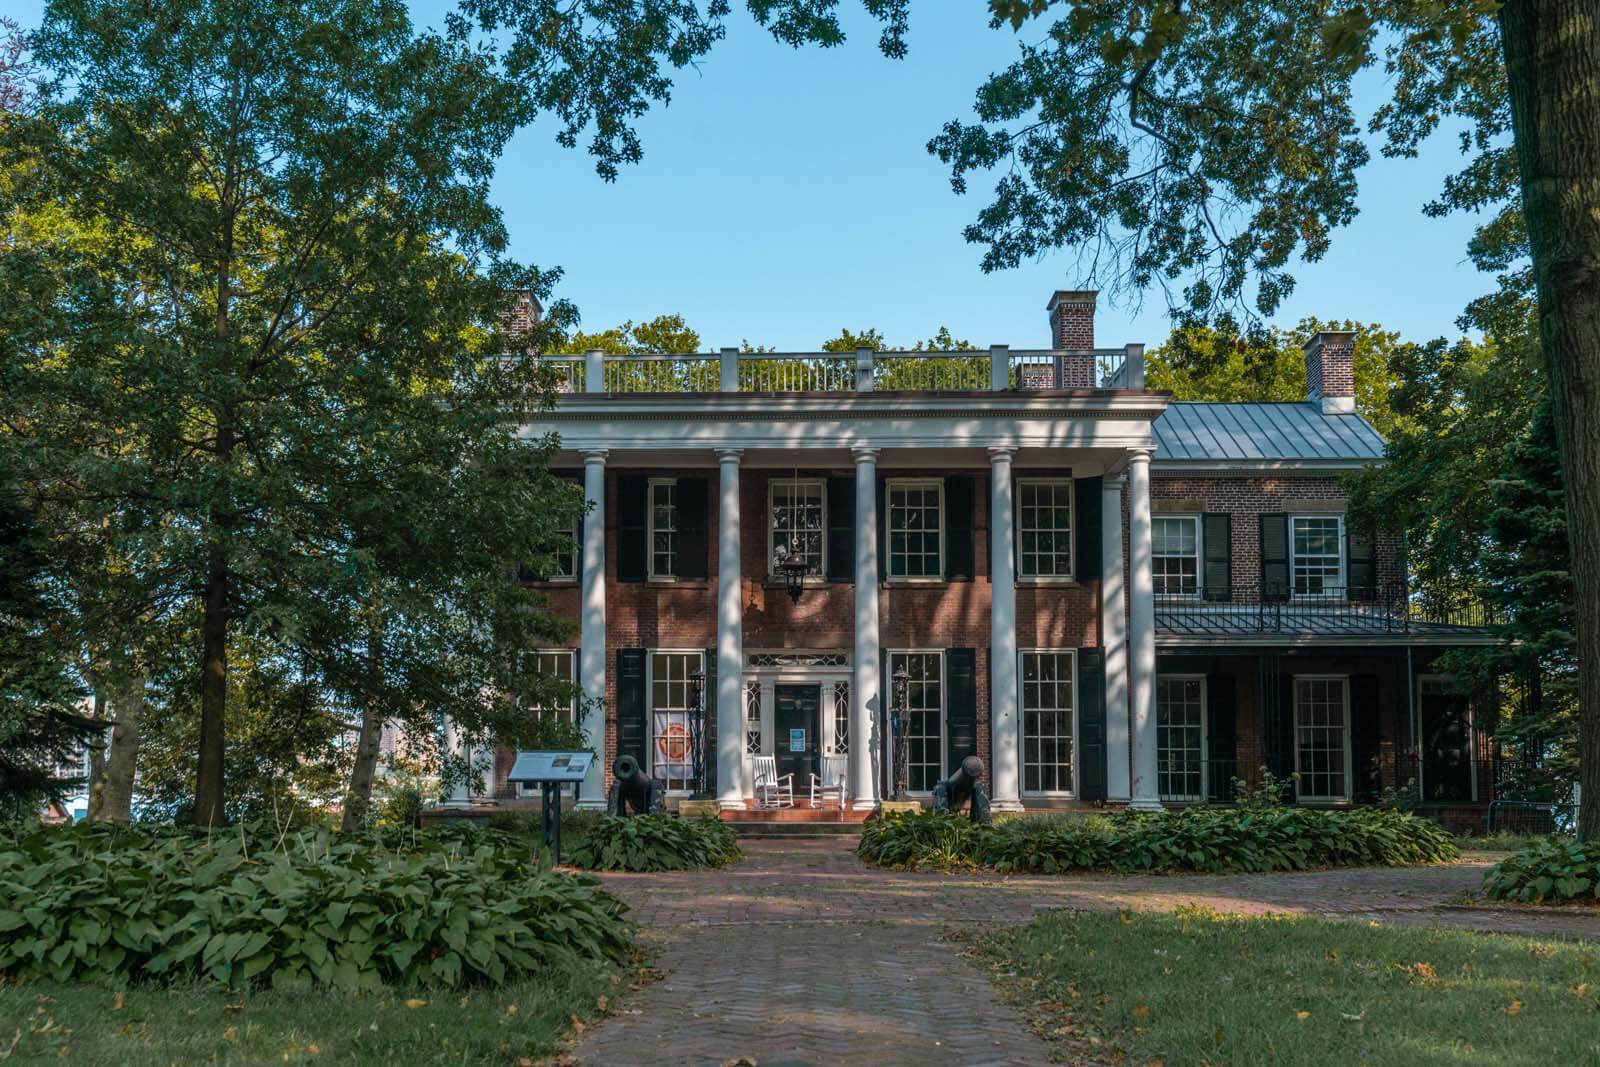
x=89, y=1026
x=1193, y=987
x=1499, y=842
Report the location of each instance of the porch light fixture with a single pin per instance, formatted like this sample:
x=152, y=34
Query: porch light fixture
x=794, y=572
x=697, y=729
x=902, y=747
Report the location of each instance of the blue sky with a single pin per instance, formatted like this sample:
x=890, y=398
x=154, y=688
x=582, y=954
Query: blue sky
x=784, y=195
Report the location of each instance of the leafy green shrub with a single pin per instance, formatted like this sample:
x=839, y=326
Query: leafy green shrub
x=651, y=843
x=354, y=911
x=1553, y=871
x=1204, y=839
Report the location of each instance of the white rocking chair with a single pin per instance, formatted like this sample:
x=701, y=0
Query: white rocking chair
x=831, y=780
x=771, y=790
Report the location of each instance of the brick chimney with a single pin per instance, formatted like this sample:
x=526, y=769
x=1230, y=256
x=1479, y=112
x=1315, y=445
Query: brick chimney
x=1072, y=329
x=525, y=313
x=1331, y=372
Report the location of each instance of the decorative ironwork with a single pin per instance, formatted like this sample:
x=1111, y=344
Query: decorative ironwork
x=794, y=569
x=901, y=733
x=799, y=659
x=841, y=718
x=1333, y=611
x=697, y=728
x=752, y=718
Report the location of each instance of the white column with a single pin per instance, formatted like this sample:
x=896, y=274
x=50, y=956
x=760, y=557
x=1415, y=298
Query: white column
x=1141, y=635
x=1114, y=637
x=460, y=795
x=865, y=696
x=592, y=626
x=1004, y=716
x=730, y=636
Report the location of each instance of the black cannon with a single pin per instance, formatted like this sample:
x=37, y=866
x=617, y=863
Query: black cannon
x=632, y=791
x=964, y=789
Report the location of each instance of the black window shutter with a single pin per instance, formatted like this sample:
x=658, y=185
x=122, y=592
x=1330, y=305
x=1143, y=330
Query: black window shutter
x=709, y=698
x=1222, y=735
x=693, y=494
x=633, y=509
x=1364, y=774
x=1091, y=723
x=958, y=532
x=961, y=732
x=1283, y=755
x=1361, y=565
x=1217, y=571
x=631, y=727
x=883, y=529
x=1274, y=556
x=1086, y=564
x=842, y=528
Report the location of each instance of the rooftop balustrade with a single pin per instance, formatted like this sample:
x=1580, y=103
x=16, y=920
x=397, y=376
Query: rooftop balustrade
x=1000, y=368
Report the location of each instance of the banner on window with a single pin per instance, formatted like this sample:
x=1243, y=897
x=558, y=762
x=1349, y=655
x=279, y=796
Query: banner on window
x=673, y=758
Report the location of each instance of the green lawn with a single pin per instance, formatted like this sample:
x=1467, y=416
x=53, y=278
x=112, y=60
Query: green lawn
x=148, y=1026
x=1197, y=988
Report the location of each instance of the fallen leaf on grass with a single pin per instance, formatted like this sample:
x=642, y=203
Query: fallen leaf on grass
x=1141, y=1011
x=1302, y=1015
x=577, y=1025
x=116, y=1001
x=602, y=1002
x=416, y=1002
x=230, y=1034
x=1514, y=1008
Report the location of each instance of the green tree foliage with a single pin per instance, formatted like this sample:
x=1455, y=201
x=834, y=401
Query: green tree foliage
x=848, y=341
x=664, y=334
x=275, y=386
x=1260, y=364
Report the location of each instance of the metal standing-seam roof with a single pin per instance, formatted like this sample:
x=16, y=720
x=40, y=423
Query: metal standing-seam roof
x=1190, y=431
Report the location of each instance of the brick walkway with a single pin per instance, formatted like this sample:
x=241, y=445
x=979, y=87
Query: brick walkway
x=801, y=954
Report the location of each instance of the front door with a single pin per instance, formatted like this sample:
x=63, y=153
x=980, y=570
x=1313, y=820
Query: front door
x=1446, y=747
x=794, y=721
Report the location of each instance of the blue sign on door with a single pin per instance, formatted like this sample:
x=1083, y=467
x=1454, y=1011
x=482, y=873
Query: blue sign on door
x=797, y=740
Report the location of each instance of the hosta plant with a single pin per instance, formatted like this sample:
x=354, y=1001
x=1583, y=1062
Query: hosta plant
x=1554, y=871
x=651, y=843
x=353, y=911
x=1199, y=839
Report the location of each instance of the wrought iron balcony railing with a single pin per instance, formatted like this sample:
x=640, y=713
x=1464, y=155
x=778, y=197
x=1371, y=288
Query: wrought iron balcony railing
x=999, y=368
x=1305, y=607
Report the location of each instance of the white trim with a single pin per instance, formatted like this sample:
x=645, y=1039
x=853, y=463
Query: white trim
x=1205, y=738
x=1349, y=783
x=1022, y=574
x=821, y=485
x=1341, y=552
x=1198, y=522
x=650, y=529
x=943, y=716
x=889, y=486
x=1022, y=727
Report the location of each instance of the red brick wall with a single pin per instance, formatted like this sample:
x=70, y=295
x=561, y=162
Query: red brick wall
x=1248, y=496
x=1330, y=365
x=682, y=614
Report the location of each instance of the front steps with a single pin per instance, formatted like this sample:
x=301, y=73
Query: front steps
x=796, y=822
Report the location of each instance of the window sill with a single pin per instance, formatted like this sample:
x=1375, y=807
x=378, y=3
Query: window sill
x=1047, y=579
x=938, y=580
x=690, y=583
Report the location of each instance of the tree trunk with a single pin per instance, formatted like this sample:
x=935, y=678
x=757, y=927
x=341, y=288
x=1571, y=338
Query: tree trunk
x=116, y=788
x=208, y=792
x=358, y=798
x=97, y=757
x=1552, y=51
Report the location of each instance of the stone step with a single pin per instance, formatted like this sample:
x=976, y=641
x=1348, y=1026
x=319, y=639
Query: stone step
x=749, y=829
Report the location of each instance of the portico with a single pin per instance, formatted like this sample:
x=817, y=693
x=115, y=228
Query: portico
x=970, y=541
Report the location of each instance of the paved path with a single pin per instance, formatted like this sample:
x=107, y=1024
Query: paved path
x=801, y=954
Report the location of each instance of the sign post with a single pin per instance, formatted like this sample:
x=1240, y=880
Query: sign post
x=550, y=771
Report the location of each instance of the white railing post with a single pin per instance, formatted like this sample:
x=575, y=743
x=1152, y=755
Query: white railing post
x=999, y=367
x=729, y=359
x=864, y=370
x=1133, y=366
x=594, y=371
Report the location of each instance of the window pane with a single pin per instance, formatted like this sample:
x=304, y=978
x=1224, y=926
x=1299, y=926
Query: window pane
x=1319, y=710
x=1318, y=555
x=924, y=718
x=671, y=758
x=1180, y=738
x=915, y=521
x=663, y=529
x=1044, y=528
x=1047, y=722
x=797, y=523
x=1175, y=555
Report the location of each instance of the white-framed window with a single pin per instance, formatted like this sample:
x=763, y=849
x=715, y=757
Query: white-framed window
x=1044, y=527
x=558, y=663
x=567, y=556
x=1049, y=719
x=1181, y=737
x=924, y=716
x=671, y=706
x=798, y=523
x=1322, y=736
x=663, y=528
x=1316, y=555
x=916, y=528
x=1175, y=554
